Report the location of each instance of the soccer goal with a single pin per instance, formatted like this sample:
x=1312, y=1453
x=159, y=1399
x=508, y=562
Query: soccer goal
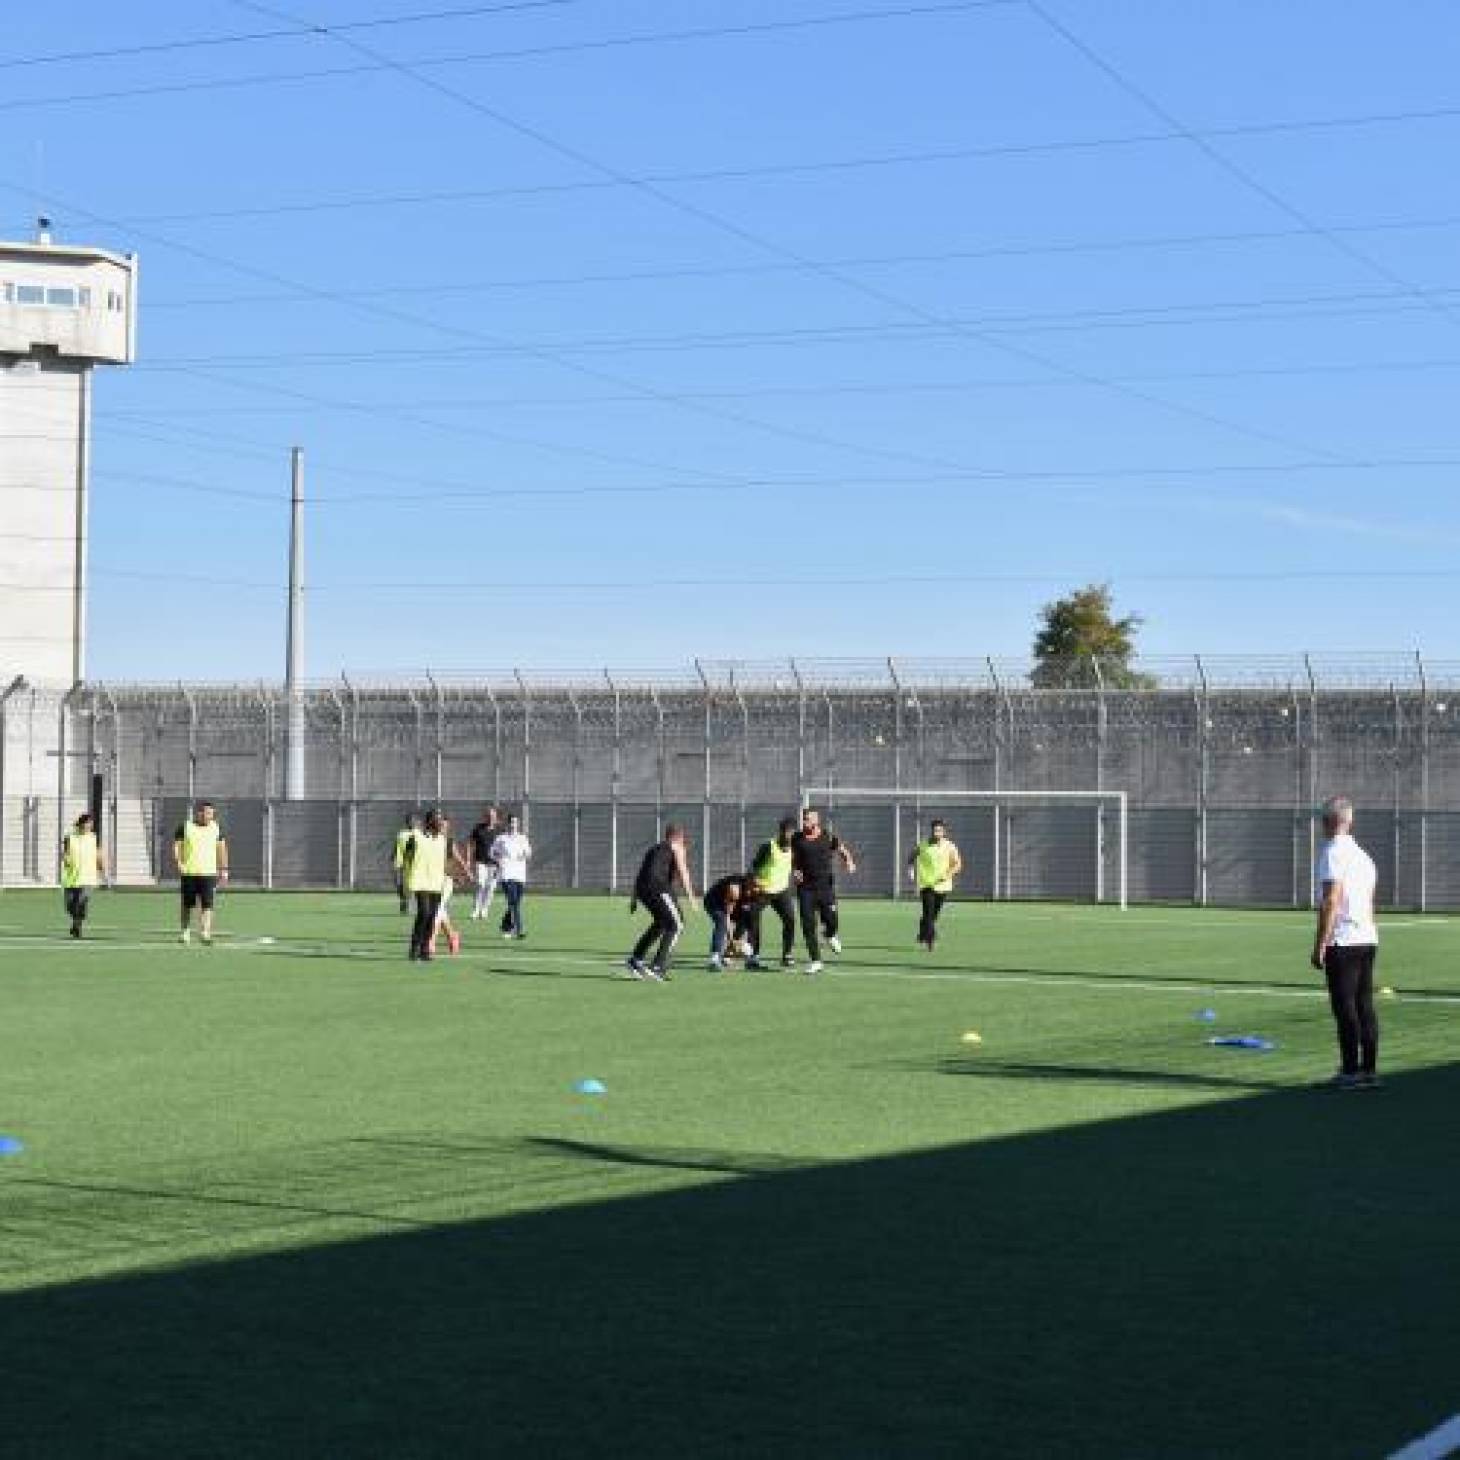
x=1015, y=844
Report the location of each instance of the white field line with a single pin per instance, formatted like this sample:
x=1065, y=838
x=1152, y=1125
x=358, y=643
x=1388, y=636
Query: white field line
x=609, y=964
x=1434, y=1446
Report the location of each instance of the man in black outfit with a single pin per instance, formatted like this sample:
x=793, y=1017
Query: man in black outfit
x=664, y=865
x=814, y=854
x=479, y=855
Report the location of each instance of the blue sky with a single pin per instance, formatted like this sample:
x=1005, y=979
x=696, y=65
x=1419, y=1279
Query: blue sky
x=600, y=320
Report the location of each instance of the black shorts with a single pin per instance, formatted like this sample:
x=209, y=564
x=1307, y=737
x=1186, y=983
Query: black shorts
x=198, y=892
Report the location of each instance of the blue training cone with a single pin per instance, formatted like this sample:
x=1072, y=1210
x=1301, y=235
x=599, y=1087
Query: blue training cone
x=591, y=1087
x=9, y=1146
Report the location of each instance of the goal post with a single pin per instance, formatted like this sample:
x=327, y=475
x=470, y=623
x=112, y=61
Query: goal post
x=1008, y=852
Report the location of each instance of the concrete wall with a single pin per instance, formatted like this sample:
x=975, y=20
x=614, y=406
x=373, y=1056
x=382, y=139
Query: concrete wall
x=43, y=424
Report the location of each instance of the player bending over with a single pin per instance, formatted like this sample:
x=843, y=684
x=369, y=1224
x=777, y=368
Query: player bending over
x=814, y=855
x=933, y=866
x=665, y=864
x=722, y=903
x=83, y=865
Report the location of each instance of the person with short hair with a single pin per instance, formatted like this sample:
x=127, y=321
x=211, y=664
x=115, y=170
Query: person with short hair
x=425, y=875
x=665, y=866
x=772, y=868
x=411, y=826
x=934, y=865
x=484, y=871
x=455, y=863
x=815, y=852
x=83, y=865
x=512, y=852
x=722, y=902
x=200, y=853
x=1346, y=945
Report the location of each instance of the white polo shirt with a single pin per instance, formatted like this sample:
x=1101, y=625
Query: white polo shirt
x=1345, y=862
x=511, y=852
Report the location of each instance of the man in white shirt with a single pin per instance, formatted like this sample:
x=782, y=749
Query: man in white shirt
x=1346, y=944
x=512, y=852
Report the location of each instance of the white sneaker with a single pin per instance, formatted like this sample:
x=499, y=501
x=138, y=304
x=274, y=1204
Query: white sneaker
x=835, y=944
x=717, y=964
x=636, y=967
x=815, y=966
x=185, y=936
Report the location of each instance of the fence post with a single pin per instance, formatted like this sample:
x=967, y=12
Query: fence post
x=1100, y=723
x=437, y=770
x=705, y=807
x=896, y=778
x=14, y=687
x=1395, y=789
x=744, y=761
x=1424, y=783
x=526, y=751
x=573, y=874
x=1203, y=702
x=1313, y=770
x=114, y=776
x=353, y=846
x=615, y=771
x=800, y=729
x=341, y=794
x=267, y=809
x=659, y=769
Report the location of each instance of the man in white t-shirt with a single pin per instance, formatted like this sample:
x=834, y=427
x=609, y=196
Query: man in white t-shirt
x=1347, y=943
x=512, y=852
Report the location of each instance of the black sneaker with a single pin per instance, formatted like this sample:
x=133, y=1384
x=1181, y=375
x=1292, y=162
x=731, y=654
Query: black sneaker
x=1342, y=1081
x=788, y=961
x=637, y=967
x=75, y=930
x=1368, y=1080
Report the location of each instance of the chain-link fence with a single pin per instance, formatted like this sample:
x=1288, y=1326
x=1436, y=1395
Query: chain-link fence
x=1222, y=762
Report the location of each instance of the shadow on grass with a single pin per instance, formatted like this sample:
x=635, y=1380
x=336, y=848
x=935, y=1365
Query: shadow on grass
x=1105, y=1075
x=1274, y=1275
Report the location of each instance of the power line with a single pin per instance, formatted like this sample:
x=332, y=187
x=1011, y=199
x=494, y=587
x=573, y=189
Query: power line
x=730, y=228
x=516, y=53
x=1268, y=310
x=196, y=43
x=746, y=173
x=866, y=261
x=1249, y=180
x=879, y=580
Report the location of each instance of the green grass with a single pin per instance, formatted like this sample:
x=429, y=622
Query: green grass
x=303, y=1198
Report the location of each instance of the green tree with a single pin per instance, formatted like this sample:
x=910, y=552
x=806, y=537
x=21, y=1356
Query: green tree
x=1079, y=629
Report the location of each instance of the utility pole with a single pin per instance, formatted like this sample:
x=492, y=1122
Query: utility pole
x=294, y=641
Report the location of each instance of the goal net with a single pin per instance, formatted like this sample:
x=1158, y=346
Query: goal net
x=1056, y=845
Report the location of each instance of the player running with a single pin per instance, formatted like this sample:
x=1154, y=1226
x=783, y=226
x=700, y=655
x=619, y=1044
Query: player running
x=933, y=866
x=665, y=864
x=723, y=903
x=83, y=865
x=201, y=855
x=772, y=868
x=814, y=854
x=484, y=870
x=455, y=863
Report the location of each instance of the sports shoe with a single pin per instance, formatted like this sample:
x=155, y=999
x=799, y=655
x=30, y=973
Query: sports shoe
x=655, y=975
x=834, y=943
x=453, y=941
x=1370, y=1081
x=787, y=961
x=206, y=939
x=185, y=936
x=815, y=966
x=636, y=966
x=509, y=935
x=754, y=965
x=716, y=964
x=75, y=930
x=1342, y=1081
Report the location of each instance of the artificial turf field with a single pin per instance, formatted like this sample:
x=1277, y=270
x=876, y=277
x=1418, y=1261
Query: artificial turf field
x=303, y=1198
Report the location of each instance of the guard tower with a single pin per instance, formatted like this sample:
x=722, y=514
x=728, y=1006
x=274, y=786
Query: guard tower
x=63, y=310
